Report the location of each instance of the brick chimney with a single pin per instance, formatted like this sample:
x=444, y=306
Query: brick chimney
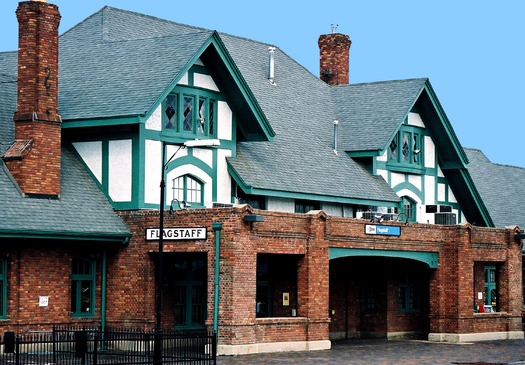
x=334, y=54
x=34, y=158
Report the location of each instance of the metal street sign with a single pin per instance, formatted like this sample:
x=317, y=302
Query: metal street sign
x=382, y=230
x=177, y=233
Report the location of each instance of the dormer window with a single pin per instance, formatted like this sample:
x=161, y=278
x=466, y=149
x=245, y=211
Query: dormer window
x=190, y=112
x=405, y=150
x=188, y=189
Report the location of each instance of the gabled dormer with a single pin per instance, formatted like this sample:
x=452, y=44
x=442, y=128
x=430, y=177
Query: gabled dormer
x=180, y=86
x=412, y=145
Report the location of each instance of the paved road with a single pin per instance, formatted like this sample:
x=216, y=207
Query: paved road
x=379, y=352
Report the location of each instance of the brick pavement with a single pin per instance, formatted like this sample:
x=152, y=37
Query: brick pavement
x=383, y=352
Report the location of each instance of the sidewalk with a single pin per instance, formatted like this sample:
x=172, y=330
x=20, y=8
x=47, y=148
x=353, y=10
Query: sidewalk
x=379, y=352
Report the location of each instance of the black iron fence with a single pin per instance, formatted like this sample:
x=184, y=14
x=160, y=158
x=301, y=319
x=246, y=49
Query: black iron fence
x=86, y=346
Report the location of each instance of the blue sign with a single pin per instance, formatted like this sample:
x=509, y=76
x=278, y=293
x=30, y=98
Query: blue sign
x=382, y=230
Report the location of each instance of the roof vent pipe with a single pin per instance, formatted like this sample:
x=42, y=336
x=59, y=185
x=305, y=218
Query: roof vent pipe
x=336, y=125
x=271, y=69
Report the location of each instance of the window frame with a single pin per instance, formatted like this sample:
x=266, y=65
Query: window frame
x=414, y=151
x=302, y=206
x=203, y=124
x=77, y=279
x=186, y=192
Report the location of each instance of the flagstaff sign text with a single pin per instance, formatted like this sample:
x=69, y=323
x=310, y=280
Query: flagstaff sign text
x=177, y=233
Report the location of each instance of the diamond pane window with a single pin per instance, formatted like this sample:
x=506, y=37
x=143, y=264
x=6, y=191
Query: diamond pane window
x=211, y=118
x=393, y=150
x=202, y=116
x=187, y=124
x=405, y=149
x=170, y=112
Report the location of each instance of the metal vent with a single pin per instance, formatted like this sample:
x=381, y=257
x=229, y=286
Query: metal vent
x=222, y=205
x=446, y=219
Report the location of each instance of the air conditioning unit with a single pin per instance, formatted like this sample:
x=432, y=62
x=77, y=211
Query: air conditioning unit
x=222, y=205
x=390, y=216
x=371, y=215
x=434, y=208
x=445, y=219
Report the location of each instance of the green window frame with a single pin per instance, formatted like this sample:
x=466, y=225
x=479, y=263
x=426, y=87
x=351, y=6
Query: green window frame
x=189, y=189
x=405, y=151
x=83, y=287
x=409, y=209
x=409, y=297
x=190, y=112
x=3, y=288
x=491, y=287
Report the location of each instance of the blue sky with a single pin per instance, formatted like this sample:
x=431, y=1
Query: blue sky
x=472, y=51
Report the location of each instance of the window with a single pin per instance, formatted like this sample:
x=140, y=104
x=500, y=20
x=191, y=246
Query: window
x=408, y=209
x=254, y=201
x=276, y=276
x=190, y=113
x=3, y=288
x=405, y=149
x=491, y=289
x=304, y=206
x=189, y=189
x=409, y=296
x=83, y=287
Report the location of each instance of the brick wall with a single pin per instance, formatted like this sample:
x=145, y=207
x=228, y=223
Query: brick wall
x=37, y=171
x=322, y=284
x=334, y=57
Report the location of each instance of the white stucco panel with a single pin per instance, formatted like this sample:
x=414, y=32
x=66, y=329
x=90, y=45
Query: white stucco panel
x=224, y=129
x=91, y=154
x=415, y=120
x=120, y=176
x=205, y=81
x=383, y=174
x=205, y=155
x=281, y=204
x=430, y=190
x=152, y=171
x=416, y=180
x=430, y=152
x=396, y=179
x=154, y=122
x=183, y=81
x=451, y=196
x=224, y=187
x=383, y=157
x=441, y=192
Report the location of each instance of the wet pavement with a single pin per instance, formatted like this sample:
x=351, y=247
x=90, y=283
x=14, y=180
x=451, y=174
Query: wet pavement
x=404, y=352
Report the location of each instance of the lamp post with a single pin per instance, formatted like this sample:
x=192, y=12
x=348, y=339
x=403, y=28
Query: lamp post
x=202, y=143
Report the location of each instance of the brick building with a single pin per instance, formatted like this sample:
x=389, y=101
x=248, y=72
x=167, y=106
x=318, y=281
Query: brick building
x=301, y=209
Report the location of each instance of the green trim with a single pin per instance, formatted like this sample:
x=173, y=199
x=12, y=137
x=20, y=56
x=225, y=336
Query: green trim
x=102, y=122
x=4, y=281
x=122, y=238
x=370, y=153
x=429, y=258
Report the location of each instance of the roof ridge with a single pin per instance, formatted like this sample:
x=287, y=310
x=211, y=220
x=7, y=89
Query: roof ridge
x=425, y=79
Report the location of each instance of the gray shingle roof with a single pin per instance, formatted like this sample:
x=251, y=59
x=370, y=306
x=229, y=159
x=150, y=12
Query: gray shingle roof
x=111, y=69
x=82, y=210
x=301, y=111
x=501, y=187
x=371, y=113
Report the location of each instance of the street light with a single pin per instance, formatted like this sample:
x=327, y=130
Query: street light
x=197, y=143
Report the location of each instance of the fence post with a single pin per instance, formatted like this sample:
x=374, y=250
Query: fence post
x=80, y=344
x=54, y=345
x=214, y=347
x=17, y=350
x=95, y=350
x=9, y=342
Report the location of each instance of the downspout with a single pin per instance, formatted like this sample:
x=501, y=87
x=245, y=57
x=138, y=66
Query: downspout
x=104, y=293
x=217, y=227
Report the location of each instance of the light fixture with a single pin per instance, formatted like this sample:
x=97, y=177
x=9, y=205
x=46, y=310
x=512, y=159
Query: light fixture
x=180, y=205
x=202, y=143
